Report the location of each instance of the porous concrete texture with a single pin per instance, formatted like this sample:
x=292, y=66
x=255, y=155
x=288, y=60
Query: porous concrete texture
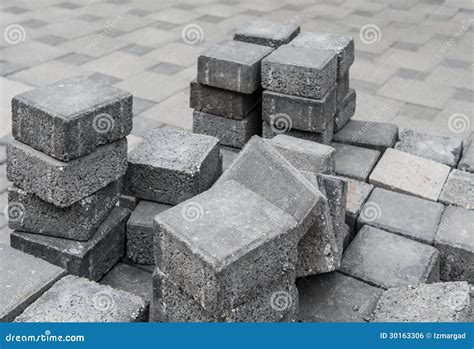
x=76, y=222
x=23, y=278
x=335, y=297
x=71, y=117
x=387, y=260
x=299, y=71
x=438, y=302
x=410, y=174
x=92, y=258
x=402, y=214
x=357, y=194
x=467, y=160
x=281, y=126
x=354, y=162
x=76, y=299
x=232, y=65
x=345, y=110
x=140, y=231
x=65, y=183
x=171, y=166
x=267, y=33
x=459, y=189
x=304, y=114
x=230, y=132
x=455, y=242
x=372, y=135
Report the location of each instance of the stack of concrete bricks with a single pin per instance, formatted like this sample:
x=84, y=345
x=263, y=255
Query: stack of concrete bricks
x=66, y=163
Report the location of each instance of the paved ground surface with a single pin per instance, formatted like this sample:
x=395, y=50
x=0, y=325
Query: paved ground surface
x=414, y=59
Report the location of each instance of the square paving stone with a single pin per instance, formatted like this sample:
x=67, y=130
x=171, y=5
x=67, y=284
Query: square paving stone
x=387, y=260
x=140, y=231
x=467, y=161
x=76, y=299
x=171, y=166
x=232, y=65
x=267, y=33
x=23, y=278
x=299, y=71
x=410, y=174
x=280, y=126
x=438, y=302
x=70, y=118
x=459, y=189
x=402, y=214
x=455, y=242
x=367, y=134
x=335, y=297
x=92, y=258
x=445, y=150
x=345, y=110
x=357, y=194
x=65, y=183
x=354, y=162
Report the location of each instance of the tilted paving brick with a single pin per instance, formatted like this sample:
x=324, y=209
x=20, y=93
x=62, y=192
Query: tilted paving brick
x=230, y=132
x=446, y=150
x=357, y=194
x=388, y=260
x=354, y=162
x=409, y=174
x=402, y=214
x=76, y=299
x=345, y=110
x=335, y=297
x=367, y=134
x=140, y=231
x=438, y=302
x=79, y=221
x=280, y=126
x=455, y=242
x=23, y=278
x=467, y=161
x=70, y=118
x=342, y=87
x=64, y=183
x=267, y=33
x=171, y=166
x=232, y=65
x=92, y=258
x=299, y=71
x=459, y=189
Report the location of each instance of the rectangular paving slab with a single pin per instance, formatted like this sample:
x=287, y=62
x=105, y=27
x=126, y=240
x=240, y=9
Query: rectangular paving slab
x=92, y=258
x=171, y=166
x=410, y=174
x=388, y=260
x=280, y=126
x=357, y=194
x=267, y=33
x=23, y=278
x=459, y=189
x=354, y=162
x=345, y=110
x=65, y=183
x=71, y=117
x=467, y=160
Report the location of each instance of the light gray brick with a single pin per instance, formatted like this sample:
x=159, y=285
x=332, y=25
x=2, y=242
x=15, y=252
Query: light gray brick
x=267, y=33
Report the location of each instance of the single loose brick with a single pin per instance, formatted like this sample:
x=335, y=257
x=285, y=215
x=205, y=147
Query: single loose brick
x=267, y=33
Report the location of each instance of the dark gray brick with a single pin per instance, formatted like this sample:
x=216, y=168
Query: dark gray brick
x=281, y=125
x=345, y=110
x=354, y=162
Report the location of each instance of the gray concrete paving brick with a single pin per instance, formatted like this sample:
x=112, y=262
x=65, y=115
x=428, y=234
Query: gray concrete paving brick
x=70, y=118
x=387, y=260
x=127, y=201
x=459, y=189
x=140, y=231
x=357, y=194
x=366, y=134
x=92, y=258
x=467, y=160
x=438, y=302
x=76, y=222
x=64, y=183
x=299, y=71
x=354, y=162
x=409, y=174
x=454, y=240
x=230, y=132
x=232, y=65
x=76, y=299
x=171, y=166
x=267, y=33
x=23, y=278
x=226, y=103
x=335, y=297
x=446, y=150
x=342, y=87
x=304, y=114
x=402, y=214
x=228, y=156
x=279, y=126
x=345, y=110
x=223, y=244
